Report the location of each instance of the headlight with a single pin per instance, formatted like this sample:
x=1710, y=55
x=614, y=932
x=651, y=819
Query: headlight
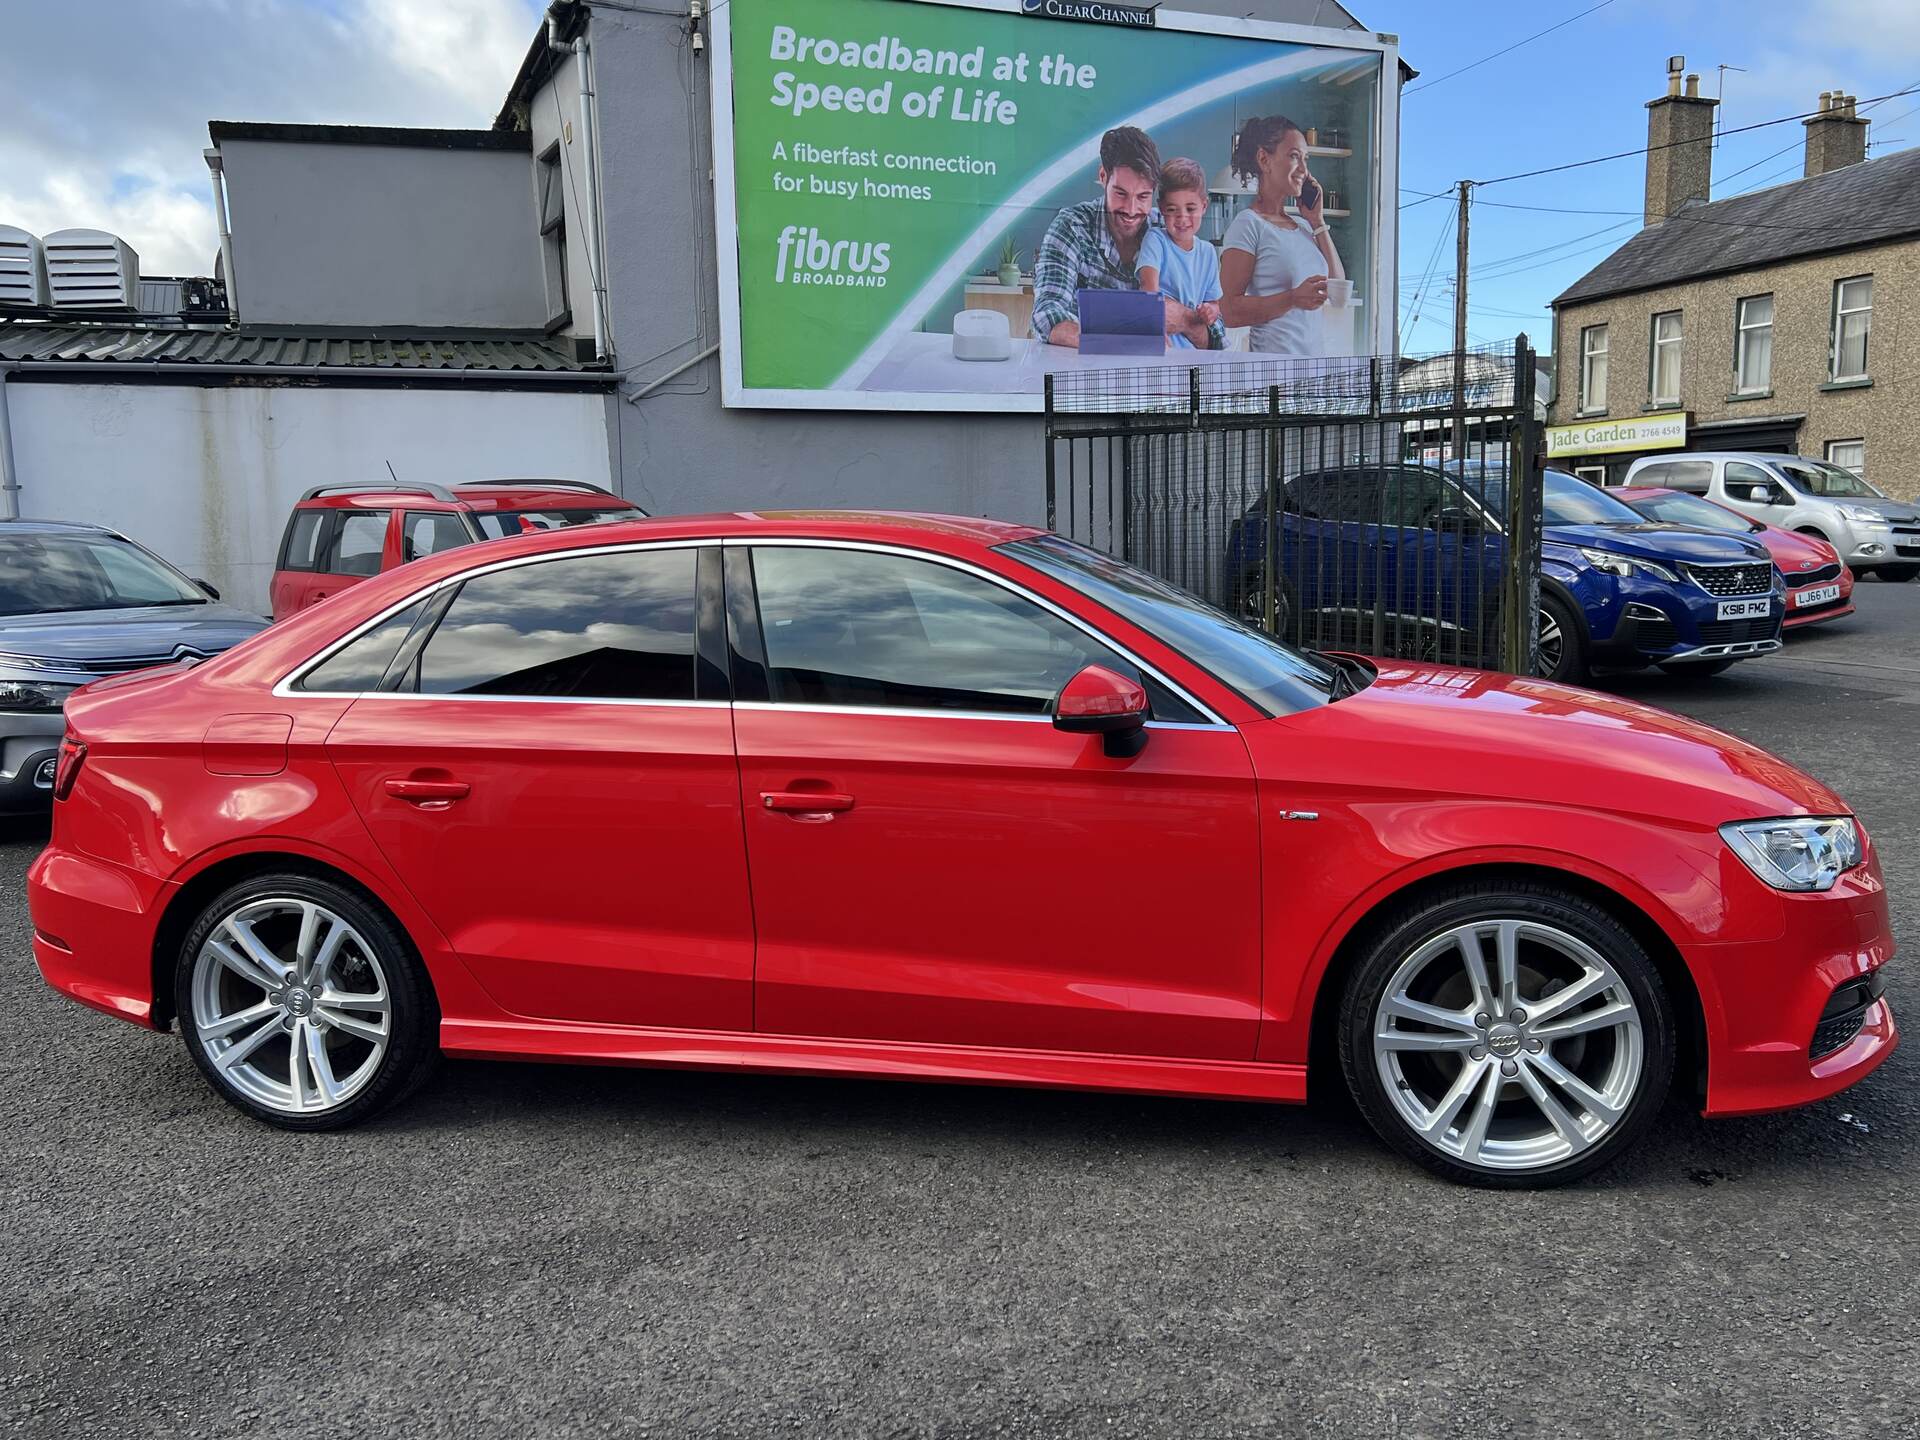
x=33, y=695
x=1617, y=564
x=1805, y=852
x=1873, y=519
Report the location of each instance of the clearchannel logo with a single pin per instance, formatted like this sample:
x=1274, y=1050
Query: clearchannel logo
x=1091, y=10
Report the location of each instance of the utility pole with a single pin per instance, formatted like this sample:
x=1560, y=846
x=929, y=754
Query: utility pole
x=1460, y=326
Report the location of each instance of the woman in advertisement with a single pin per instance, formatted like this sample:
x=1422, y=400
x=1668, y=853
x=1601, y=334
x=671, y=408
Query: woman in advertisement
x=1275, y=266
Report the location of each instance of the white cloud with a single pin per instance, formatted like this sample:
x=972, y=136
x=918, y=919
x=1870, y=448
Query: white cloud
x=113, y=141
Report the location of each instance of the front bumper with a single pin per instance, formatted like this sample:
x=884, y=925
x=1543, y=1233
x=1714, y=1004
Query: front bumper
x=93, y=931
x=1657, y=623
x=1770, y=1004
x=29, y=742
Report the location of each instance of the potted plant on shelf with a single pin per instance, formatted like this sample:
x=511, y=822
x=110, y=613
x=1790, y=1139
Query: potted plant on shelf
x=1009, y=263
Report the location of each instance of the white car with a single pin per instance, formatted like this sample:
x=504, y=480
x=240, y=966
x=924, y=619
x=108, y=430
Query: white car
x=1871, y=531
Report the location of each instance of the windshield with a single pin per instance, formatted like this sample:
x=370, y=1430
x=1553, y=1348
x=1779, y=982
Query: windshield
x=1816, y=477
x=1274, y=676
x=42, y=574
x=495, y=524
x=1569, y=500
x=1692, y=510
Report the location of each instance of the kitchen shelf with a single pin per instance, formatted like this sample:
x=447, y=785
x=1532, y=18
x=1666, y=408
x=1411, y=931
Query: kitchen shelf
x=1331, y=152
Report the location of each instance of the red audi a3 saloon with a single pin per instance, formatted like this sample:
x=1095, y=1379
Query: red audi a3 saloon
x=944, y=799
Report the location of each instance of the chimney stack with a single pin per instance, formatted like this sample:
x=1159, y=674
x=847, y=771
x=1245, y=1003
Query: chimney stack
x=1679, y=146
x=1836, y=137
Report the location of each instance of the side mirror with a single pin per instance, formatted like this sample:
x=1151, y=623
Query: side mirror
x=212, y=593
x=1099, y=702
x=1763, y=495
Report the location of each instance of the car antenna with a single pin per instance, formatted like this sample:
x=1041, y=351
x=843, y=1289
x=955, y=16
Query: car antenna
x=391, y=471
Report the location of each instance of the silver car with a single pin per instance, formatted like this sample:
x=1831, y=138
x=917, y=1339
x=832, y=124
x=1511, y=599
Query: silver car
x=78, y=603
x=1871, y=531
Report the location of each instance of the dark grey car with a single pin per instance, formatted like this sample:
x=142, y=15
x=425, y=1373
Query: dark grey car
x=78, y=602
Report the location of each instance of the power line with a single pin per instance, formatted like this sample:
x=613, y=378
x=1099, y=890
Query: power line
x=1428, y=85
x=1649, y=149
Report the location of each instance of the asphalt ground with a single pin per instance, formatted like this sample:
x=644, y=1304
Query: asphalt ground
x=564, y=1251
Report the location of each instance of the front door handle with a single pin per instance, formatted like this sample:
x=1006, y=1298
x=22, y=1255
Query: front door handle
x=806, y=804
x=425, y=790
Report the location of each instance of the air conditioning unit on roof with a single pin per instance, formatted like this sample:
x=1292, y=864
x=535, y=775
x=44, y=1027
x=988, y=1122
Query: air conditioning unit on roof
x=23, y=268
x=91, y=270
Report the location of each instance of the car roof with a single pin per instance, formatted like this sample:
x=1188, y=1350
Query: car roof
x=1773, y=456
x=55, y=527
x=481, y=496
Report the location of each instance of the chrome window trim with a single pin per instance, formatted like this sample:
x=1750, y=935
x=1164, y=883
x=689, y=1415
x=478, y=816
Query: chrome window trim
x=1214, y=722
x=284, y=689
x=891, y=712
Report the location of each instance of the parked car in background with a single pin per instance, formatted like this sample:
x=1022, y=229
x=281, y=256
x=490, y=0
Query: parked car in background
x=79, y=602
x=1872, y=532
x=520, y=791
x=1819, y=587
x=338, y=535
x=1427, y=545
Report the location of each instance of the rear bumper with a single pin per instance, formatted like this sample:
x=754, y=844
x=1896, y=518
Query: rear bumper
x=93, y=930
x=1767, y=1048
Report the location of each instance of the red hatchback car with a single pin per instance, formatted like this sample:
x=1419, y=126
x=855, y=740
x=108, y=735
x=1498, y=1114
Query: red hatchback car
x=935, y=798
x=338, y=535
x=1819, y=587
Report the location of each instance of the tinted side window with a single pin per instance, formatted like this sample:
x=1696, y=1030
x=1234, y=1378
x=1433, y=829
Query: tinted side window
x=358, y=543
x=589, y=627
x=428, y=533
x=850, y=627
x=360, y=665
x=1692, y=476
x=301, y=549
x=1413, y=497
x=1742, y=474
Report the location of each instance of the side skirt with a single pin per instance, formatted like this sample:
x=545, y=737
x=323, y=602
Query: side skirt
x=874, y=1059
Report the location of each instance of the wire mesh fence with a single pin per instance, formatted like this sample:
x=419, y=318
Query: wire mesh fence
x=1358, y=504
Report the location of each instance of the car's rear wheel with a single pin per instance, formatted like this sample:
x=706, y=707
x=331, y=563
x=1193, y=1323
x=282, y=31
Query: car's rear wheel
x=1563, y=650
x=1251, y=603
x=303, y=1004
x=1512, y=1038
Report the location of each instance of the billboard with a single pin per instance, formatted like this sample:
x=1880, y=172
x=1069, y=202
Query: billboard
x=931, y=206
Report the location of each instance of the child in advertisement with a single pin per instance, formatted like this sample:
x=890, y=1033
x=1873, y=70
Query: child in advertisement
x=1175, y=261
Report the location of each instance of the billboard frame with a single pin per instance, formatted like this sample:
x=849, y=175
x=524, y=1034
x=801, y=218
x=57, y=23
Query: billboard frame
x=1383, y=227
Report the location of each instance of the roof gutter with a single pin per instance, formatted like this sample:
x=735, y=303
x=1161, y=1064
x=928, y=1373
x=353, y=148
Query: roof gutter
x=9, y=478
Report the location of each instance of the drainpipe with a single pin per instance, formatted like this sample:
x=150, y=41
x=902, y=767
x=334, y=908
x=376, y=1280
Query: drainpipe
x=9, y=480
x=588, y=170
x=212, y=157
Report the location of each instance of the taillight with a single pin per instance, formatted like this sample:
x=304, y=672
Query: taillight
x=73, y=754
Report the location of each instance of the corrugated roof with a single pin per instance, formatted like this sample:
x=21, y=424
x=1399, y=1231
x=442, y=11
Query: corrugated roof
x=1864, y=204
x=133, y=344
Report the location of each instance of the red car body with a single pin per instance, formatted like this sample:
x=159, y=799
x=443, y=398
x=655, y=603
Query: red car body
x=1819, y=587
x=1006, y=903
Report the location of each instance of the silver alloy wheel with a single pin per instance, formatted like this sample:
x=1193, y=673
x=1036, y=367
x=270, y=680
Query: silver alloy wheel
x=291, y=1005
x=1553, y=643
x=1508, y=1044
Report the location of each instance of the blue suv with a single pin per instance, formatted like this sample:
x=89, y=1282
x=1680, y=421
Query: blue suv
x=1402, y=545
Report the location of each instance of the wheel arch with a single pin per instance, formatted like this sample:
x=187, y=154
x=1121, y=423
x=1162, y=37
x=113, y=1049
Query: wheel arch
x=1690, y=1061
x=215, y=874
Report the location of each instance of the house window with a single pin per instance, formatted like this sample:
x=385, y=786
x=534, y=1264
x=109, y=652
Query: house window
x=1593, y=369
x=1848, y=455
x=1852, y=318
x=553, y=233
x=1753, y=345
x=1664, y=373
x=1592, y=474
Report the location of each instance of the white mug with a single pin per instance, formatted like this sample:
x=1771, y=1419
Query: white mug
x=1339, y=292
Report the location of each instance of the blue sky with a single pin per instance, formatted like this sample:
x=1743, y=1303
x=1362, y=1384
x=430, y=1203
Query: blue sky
x=1580, y=92
x=108, y=133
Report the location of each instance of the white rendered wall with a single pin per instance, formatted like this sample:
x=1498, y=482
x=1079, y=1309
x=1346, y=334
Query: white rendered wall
x=206, y=476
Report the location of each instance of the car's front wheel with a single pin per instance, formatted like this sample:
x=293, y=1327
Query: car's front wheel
x=303, y=1004
x=1512, y=1037
x=1898, y=574
x=1563, y=649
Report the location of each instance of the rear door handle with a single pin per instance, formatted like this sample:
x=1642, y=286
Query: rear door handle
x=442, y=790
x=806, y=804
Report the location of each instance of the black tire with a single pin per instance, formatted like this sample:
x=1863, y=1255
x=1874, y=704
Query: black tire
x=1401, y=933
x=1898, y=574
x=1697, y=669
x=1250, y=604
x=412, y=1046
x=1569, y=664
